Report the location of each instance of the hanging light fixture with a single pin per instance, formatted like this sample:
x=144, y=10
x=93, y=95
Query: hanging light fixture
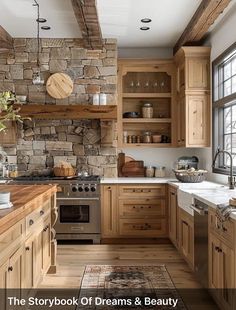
x=37, y=80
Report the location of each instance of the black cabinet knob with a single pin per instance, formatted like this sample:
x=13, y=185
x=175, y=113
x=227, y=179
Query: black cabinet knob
x=31, y=222
x=41, y=212
x=10, y=268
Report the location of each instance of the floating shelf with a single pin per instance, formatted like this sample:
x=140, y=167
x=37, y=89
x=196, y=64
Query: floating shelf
x=147, y=95
x=48, y=111
x=146, y=120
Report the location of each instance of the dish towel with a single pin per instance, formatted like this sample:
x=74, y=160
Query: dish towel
x=223, y=212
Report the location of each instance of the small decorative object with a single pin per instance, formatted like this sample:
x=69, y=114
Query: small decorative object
x=10, y=113
x=125, y=137
x=147, y=137
x=156, y=138
x=134, y=139
x=129, y=139
x=102, y=99
x=131, y=115
x=138, y=139
x=149, y=171
x=21, y=99
x=63, y=169
x=147, y=110
x=160, y=172
x=191, y=175
x=96, y=99
x=59, y=85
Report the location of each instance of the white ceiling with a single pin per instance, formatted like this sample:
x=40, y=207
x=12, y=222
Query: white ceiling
x=118, y=18
x=121, y=19
x=18, y=18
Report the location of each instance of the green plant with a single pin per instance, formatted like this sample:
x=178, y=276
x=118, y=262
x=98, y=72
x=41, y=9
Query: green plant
x=7, y=110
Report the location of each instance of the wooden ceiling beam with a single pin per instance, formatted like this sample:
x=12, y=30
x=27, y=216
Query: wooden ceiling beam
x=205, y=15
x=87, y=18
x=6, y=41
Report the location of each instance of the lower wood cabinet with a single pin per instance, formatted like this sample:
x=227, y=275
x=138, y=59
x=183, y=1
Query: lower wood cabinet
x=134, y=211
x=23, y=263
x=109, y=210
x=186, y=236
x=173, y=215
x=221, y=264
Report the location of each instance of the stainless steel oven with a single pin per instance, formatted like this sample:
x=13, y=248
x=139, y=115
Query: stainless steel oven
x=78, y=218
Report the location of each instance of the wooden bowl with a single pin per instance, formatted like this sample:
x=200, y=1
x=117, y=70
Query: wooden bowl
x=63, y=172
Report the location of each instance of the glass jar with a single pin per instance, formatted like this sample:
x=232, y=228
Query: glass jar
x=147, y=110
x=147, y=137
x=149, y=171
x=160, y=172
x=13, y=171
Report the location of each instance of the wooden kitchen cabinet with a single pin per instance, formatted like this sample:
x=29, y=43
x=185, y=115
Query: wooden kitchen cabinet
x=186, y=236
x=151, y=81
x=173, y=215
x=109, y=208
x=46, y=245
x=193, y=97
x=221, y=263
x=134, y=211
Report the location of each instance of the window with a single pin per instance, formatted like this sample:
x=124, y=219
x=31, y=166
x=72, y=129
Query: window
x=224, y=108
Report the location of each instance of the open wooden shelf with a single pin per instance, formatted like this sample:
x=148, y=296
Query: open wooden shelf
x=46, y=111
x=146, y=120
x=146, y=95
x=147, y=145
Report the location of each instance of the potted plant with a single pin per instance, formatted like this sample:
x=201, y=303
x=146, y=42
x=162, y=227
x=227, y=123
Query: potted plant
x=7, y=110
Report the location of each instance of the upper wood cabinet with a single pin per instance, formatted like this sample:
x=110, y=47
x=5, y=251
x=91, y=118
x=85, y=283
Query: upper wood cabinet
x=8, y=136
x=193, y=97
x=146, y=81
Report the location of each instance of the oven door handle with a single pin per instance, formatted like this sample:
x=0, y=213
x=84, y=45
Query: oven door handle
x=198, y=210
x=83, y=198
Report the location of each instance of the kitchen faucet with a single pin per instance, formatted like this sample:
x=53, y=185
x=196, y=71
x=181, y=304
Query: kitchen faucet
x=231, y=178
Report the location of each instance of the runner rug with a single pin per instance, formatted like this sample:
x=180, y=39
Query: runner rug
x=128, y=287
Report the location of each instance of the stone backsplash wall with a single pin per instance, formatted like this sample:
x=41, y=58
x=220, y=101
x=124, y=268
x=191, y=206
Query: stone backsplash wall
x=42, y=143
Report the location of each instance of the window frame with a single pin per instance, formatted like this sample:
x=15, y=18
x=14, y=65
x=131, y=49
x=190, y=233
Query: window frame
x=217, y=108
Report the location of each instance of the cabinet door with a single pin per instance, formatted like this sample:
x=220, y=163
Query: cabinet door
x=3, y=285
x=16, y=270
x=227, y=272
x=186, y=237
x=198, y=121
x=214, y=262
x=46, y=245
x=8, y=136
x=198, y=74
x=109, y=202
x=173, y=216
x=181, y=120
x=29, y=264
x=37, y=258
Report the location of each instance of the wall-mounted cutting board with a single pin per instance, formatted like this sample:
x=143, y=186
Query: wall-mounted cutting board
x=59, y=85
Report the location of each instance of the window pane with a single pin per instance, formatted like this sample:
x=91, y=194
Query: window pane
x=227, y=143
x=234, y=84
x=234, y=66
x=234, y=118
x=227, y=120
x=227, y=71
x=227, y=88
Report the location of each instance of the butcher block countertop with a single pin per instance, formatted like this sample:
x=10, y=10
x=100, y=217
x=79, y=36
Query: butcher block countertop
x=25, y=199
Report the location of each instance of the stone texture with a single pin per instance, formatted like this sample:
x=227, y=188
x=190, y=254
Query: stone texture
x=107, y=70
x=69, y=159
x=56, y=65
x=21, y=57
x=91, y=72
x=78, y=149
x=17, y=72
x=58, y=145
x=78, y=53
x=60, y=53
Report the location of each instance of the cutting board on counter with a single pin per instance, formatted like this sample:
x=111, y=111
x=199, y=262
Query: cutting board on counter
x=129, y=167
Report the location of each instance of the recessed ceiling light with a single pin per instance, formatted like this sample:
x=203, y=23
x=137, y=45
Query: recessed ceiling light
x=146, y=20
x=45, y=28
x=144, y=28
x=41, y=20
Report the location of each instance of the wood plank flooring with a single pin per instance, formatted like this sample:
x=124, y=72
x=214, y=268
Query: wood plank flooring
x=72, y=260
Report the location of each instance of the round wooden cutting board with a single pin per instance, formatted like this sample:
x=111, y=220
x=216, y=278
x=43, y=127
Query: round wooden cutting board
x=59, y=85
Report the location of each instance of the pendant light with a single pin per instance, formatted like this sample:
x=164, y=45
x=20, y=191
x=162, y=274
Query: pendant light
x=37, y=80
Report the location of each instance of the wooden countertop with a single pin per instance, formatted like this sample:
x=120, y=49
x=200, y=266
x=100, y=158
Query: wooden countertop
x=25, y=199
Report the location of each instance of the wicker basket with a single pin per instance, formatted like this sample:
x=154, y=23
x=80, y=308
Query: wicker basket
x=196, y=177
x=63, y=172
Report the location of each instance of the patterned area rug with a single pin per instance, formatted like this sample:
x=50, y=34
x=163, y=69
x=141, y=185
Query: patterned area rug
x=128, y=287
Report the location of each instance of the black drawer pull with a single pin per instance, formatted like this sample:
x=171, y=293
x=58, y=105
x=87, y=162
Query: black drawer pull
x=46, y=228
x=41, y=212
x=27, y=248
x=10, y=268
x=224, y=229
x=31, y=222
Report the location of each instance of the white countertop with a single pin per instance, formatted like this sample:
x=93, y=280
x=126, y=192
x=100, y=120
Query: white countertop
x=136, y=180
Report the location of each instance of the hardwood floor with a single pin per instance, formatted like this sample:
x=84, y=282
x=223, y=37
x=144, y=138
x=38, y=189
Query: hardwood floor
x=72, y=260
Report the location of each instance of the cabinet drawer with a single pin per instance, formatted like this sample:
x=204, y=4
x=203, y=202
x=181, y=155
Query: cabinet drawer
x=37, y=215
x=142, y=191
x=12, y=235
x=144, y=208
x=224, y=231
x=143, y=228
